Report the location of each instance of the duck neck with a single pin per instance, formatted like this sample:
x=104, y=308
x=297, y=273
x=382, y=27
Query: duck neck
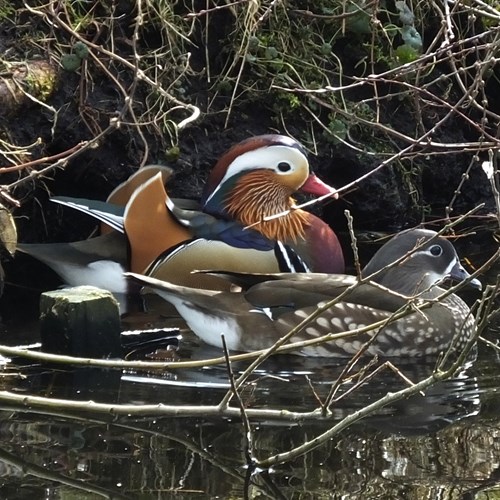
x=396, y=279
x=256, y=197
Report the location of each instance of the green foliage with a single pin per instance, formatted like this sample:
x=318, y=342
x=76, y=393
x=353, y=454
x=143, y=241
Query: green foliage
x=310, y=66
x=79, y=14
x=70, y=62
x=302, y=46
x=489, y=494
x=173, y=153
x=337, y=129
x=7, y=9
x=359, y=19
x=80, y=50
x=405, y=54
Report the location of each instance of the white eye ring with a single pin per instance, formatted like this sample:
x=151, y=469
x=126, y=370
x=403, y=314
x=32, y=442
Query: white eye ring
x=436, y=250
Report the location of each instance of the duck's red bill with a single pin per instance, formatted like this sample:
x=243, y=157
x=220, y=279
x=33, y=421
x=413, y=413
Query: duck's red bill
x=314, y=185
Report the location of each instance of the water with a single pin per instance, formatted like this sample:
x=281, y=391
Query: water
x=444, y=444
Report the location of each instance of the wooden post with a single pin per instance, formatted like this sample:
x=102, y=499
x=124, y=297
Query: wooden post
x=80, y=321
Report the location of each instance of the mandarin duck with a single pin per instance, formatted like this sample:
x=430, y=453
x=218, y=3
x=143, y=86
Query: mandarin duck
x=99, y=261
x=169, y=238
x=407, y=268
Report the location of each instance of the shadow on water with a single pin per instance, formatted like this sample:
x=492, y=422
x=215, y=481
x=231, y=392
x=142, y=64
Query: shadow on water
x=441, y=444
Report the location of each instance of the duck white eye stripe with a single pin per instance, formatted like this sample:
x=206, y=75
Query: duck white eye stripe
x=266, y=157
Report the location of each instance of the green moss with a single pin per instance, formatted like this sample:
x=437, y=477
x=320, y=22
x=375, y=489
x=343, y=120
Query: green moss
x=41, y=81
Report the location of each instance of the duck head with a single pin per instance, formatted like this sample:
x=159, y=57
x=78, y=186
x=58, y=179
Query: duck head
x=414, y=261
x=256, y=179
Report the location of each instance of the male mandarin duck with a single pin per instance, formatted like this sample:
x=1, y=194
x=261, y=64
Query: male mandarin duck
x=169, y=238
x=102, y=260
x=255, y=180
x=409, y=267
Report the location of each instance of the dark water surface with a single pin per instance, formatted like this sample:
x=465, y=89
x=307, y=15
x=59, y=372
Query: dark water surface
x=444, y=444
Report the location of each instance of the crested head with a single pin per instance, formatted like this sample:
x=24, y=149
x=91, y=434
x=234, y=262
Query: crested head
x=226, y=166
x=255, y=179
x=423, y=260
x=281, y=156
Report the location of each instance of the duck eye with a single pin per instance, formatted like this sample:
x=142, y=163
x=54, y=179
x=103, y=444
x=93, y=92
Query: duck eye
x=436, y=250
x=283, y=166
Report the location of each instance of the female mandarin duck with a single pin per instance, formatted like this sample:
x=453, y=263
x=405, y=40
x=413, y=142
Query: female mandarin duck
x=168, y=239
x=408, y=267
